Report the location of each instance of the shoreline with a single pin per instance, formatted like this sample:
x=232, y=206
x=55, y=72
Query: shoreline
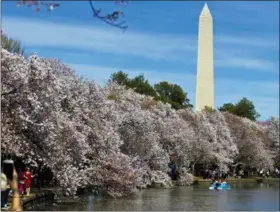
x=48, y=194
x=36, y=195
x=242, y=180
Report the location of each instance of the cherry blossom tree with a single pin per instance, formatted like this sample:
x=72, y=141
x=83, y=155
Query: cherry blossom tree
x=272, y=132
x=213, y=142
x=50, y=115
x=249, y=138
x=111, y=137
x=137, y=129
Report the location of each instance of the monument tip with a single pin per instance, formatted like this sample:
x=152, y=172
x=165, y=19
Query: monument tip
x=205, y=10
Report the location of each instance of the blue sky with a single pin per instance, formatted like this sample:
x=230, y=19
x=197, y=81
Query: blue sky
x=161, y=42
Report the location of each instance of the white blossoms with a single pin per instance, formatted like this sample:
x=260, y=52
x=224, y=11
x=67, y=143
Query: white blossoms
x=112, y=137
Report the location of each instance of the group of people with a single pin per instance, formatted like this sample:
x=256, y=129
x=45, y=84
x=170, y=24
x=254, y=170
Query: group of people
x=24, y=181
x=218, y=177
x=215, y=174
x=24, y=186
x=263, y=173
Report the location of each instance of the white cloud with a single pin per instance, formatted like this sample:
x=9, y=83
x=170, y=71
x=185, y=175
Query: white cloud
x=48, y=34
x=38, y=33
x=229, y=53
x=246, y=63
x=266, y=41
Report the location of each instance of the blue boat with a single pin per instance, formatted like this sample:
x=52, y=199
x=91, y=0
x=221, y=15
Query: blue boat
x=223, y=186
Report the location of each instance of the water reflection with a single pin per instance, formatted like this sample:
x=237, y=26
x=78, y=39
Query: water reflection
x=248, y=196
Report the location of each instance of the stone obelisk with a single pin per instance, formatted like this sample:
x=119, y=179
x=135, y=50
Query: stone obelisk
x=205, y=65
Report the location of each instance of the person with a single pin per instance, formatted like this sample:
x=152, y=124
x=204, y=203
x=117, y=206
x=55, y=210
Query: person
x=27, y=182
x=16, y=203
x=21, y=186
x=4, y=191
x=241, y=174
x=218, y=183
x=214, y=174
x=222, y=174
x=172, y=167
x=267, y=174
x=277, y=172
x=217, y=173
x=225, y=174
x=261, y=173
x=209, y=174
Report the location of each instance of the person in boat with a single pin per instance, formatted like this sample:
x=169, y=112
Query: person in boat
x=218, y=183
x=225, y=181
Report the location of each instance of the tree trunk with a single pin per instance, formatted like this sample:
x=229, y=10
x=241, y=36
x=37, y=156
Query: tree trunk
x=193, y=171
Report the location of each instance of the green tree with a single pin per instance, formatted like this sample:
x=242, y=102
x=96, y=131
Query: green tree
x=142, y=86
x=163, y=91
x=246, y=108
x=227, y=107
x=208, y=109
x=138, y=84
x=11, y=45
x=120, y=77
x=172, y=94
x=243, y=108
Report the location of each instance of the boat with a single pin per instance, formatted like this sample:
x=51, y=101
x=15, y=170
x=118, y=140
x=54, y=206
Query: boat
x=223, y=186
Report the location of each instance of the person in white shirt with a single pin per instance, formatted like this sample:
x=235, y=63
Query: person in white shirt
x=277, y=172
x=5, y=189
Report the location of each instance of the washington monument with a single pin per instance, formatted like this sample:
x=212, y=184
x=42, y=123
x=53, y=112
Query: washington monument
x=205, y=73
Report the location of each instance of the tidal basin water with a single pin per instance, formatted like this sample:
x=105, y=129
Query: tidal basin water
x=242, y=196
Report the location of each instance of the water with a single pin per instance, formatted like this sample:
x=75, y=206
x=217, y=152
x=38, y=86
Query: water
x=243, y=196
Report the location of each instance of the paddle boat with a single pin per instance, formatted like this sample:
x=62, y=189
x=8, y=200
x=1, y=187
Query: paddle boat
x=222, y=186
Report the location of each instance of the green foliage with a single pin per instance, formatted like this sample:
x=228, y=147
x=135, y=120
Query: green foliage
x=138, y=84
x=11, y=45
x=227, y=107
x=172, y=94
x=208, y=109
x=244, y=108
x=120, y=77
x=163, y=91
x=142, y=86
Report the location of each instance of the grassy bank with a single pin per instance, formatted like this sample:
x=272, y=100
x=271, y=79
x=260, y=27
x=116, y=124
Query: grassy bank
x=243, y=180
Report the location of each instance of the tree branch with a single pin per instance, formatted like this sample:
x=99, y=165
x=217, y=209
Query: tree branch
x=9, y=92
x=110, y=19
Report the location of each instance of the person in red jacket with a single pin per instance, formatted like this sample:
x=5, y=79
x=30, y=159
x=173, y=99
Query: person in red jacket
x=27, y=182
x=218, y=183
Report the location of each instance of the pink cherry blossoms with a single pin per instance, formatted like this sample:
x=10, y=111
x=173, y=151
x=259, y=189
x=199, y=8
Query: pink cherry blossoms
x=112, y=137
x=37, y=4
